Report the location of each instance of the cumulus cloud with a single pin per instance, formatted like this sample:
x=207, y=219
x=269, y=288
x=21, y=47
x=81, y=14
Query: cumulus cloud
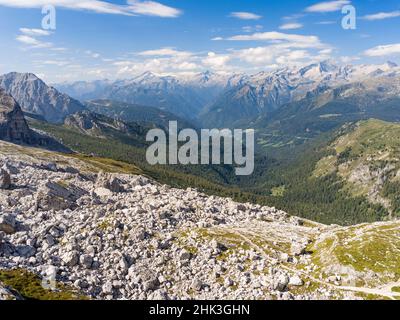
x=133, y=7
x=382, y=15
x=277, y=55
x=245, y=15
x=327, y=6
x=293, y=40
x=291, y=26
x=383, y=50
x=216, y=61
x=166, y=60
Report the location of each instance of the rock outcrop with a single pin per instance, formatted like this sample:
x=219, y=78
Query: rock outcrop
x=13, y=126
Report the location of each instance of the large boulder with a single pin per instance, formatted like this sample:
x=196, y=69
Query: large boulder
x=8, y=223
x=13, y=126
x=109, y=182
x=56, y=196
x=5, y=179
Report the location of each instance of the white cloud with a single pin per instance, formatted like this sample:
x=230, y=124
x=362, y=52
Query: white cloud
x=383, y=50
x=276, y=55
x=217, y=39
x=382, y=15
x=245, y=15
x=327, y=6
x=291, y=26
x=326, y=51
x=293, y=40
x=32, y=42
x=151, y=8
x=161, y=61
x=58, y=63
x=133, y=7
x=35, y=32
x=92, y=54
x=349, y=59
x=171, y=52
x=216, y=61
x=250, y=29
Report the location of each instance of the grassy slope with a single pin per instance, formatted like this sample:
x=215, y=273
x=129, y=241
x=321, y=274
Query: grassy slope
x=366, y=158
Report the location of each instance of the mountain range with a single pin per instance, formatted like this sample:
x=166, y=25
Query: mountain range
x=235, y=100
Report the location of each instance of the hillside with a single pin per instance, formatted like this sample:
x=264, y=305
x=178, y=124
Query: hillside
x=145, y=115
x=100, y=136
x=366, y=157
x=98, y=230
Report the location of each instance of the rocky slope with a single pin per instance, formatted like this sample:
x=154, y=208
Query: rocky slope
x=34, y=96
x=123, y=236
x=13, y=126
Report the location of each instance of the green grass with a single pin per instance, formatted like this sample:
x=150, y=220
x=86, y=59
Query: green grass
x=29, y=286
x=364, y=249
x=278, y=191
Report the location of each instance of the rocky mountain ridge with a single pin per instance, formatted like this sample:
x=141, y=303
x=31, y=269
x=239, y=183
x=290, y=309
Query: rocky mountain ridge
x=35, y=97
x=221, y=100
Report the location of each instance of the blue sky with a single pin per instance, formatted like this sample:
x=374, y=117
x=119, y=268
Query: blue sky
x=120, y=39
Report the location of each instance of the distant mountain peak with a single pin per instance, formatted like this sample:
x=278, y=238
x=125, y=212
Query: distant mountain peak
x=35, y=96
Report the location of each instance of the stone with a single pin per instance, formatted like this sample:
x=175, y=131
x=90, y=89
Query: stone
x=49, y=240
x=8, y=223
x=5, y=179
x=197, y=285
x=185, y=256
x=26, y=251
x=86, y=261
x=295, y=281
x=103, y=192
x=71, y=259
x=228, y=282
x=109, y=182
x=54, y=196
x=159, y=295
x=298, y=248
x=151, y=284
x=280, y=282
x=107, y=288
